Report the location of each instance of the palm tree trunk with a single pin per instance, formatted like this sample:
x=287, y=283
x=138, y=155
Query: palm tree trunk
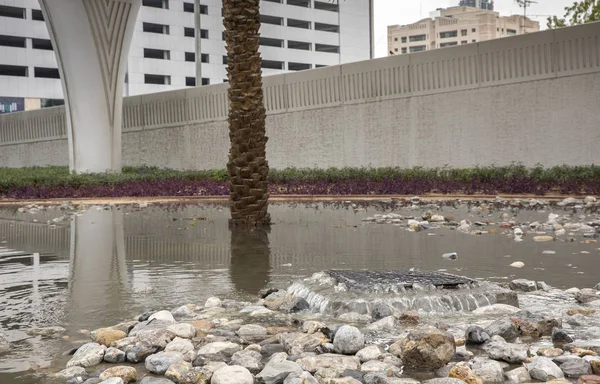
x=247, y=167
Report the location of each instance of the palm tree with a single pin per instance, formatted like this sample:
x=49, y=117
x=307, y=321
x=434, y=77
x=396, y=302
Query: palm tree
x=247, y=167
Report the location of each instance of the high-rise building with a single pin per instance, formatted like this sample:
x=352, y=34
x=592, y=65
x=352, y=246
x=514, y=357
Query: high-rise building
x=481, y=4
x=455, y=26
x=295, y=35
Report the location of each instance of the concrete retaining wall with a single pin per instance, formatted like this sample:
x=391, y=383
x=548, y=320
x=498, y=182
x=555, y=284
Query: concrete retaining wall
x=530, y=99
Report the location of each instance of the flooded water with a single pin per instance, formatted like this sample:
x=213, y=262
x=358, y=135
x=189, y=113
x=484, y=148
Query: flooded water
x=107, y=264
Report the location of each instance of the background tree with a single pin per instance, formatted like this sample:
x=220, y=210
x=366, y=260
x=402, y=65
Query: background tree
x=247, y=166
x=580, y=12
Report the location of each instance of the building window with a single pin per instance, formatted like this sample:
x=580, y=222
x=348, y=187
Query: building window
x=190, y=56
x=164, y=4
x=299, y=3
x=205, y=81
x=224, y=59
x=203, y=33
x=13, y=70
x=298, y=23
x=13, y=41
x=327, y=27
x=474, y=30
x=188, y=32
x=497, y=29
x=188, y=7
x=417, y=38
x=190, y=81
x=298, y=66
x=395, y=49
x=275, y=1
x=204, y=58
x=511, y=32
x=47, y=73
x=37, y=14
x=463, y=32
x=271, y=64
x=44, y=44
x=451, y=44
x=404, y=50
x=474, y=41
x=268, y=42
x=203, y=9
x=418, y=48
x=159, y=54
x=327, y=48
x=274, y=20
x=403, y=40
x=331, y=6
x=14, y=12
x=299, y=45
x=464, y=42
x=155, y=28
x=395, y=39
x=157, y=79
x=320, y=65
x=448, y=34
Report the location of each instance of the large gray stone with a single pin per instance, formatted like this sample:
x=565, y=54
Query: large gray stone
x=476, y=335
x=156, y=380
x=183, y=330
x=233, y=374
x=444, y=380
x=87, y=355
x=71, y=372
x=427, y=348
x=113, y=380
x=295, y=343
x=225, y=348
x=300, y=378
x=509, y=352
x=160, y=362
x=183, y=346
x=165, y=316
x=523, y=285
x=576, y=367
x=277, y=371
x=114, y=355
x=489, y=371
x=503, y=327
x=518, y=375
x=4, y=344
x=251, y=360
x=544, y=369
x=329, y=360
x=372, y=352
x=348, y=340
x=138, y=352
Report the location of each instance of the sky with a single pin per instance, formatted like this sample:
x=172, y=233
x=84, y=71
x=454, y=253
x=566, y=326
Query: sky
x=391, y=12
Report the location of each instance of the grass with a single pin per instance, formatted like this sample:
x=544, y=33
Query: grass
x=54, y=181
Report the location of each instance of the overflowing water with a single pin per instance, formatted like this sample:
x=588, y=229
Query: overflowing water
x=98, y=266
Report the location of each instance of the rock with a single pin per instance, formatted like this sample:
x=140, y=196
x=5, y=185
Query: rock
x=251, y=330
x=4, y=344
x=387, y=323
x=576, y=367
x=518, y=375
x=295, y=343
x=150, y=327
x=113, y=380
x=372, y=352
x=409, y=318
x=156, y=380
x=450, y=256
x=589, y=379
x=213, y=302
x=489, y=371
x=161, y=361
x=344, y=380
x=138, y=352
x=114, y=355
x=251, y=360
x=464, y=373
x=300, y=378
x=550, y=352
x=544, y=369
x=427, y=348
x=503, y=327
x=348, y=340
x=496, y=309
x=183, y=330
x=579, y=311
x=183, y=372
x=159, y=338
x=297, y=304
x=511, y=353
x=543, y=286
x=476, y=335
x=106, y=336
x=124, y=343
x=381, y=310
x=127, y=374
x=183, y=312
x=219, y=347
x=328, y=360
x=560, y=337
x=183, y=346
x=233, y=374
x=529, y=324
x=87, y=355
x=539, y=239
x=380, y=366
x=354, y=317
x=277, y=371
x=164, y=316
x=595, y=365
x=517, y=264
x=523, y=285
x=71, y=372
x=597, y=287
x=444, y=380
x=311, y=326
x=436, y=218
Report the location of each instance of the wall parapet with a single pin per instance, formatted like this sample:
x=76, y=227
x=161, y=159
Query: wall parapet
x=516, y=59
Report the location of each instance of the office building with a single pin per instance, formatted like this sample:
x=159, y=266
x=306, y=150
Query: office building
x=295, y=35
x=481, y=4
x=455, y=26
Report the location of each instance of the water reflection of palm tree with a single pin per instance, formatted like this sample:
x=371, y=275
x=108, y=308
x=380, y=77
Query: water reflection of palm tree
x=250, y=259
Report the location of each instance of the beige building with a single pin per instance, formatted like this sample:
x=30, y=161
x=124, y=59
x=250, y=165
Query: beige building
x=455, y=26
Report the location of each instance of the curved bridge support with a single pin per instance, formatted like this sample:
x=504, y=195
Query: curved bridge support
x=91, y=40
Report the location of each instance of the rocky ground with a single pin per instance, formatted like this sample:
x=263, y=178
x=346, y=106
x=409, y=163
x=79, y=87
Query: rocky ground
x=278, y=340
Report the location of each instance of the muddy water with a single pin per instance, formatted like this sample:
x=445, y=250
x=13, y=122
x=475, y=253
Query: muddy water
x=105, y=265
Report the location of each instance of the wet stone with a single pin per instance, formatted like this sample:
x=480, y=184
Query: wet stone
x=127, y=374
x=476, y=335
x=114, y=355
x=576, y=367
x=160, y=362
x=87, y=355
x=138, y=352
x=348, y=340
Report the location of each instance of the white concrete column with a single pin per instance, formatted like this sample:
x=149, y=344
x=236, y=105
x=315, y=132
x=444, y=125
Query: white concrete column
x=91, y=40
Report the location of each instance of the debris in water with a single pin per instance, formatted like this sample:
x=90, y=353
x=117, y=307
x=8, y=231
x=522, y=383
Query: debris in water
x=548, y=252
x=450, y=256
x=518, y=264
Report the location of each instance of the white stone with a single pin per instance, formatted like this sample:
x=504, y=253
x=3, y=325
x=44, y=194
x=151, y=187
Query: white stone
x=165, y=316
x=544, y=369
x=348, y=340
x=184, y=330
x=225, y=347
x=87, y=355
x=213, y=302
x=372, y=352
x=233, y=374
